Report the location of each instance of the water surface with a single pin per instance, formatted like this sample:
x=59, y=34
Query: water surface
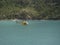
x=37, y=32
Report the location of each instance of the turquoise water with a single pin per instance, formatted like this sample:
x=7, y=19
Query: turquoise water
x=37, y=32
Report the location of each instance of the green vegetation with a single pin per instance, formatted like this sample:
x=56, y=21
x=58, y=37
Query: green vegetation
x=36, y=9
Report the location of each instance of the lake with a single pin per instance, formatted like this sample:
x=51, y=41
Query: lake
x=37, y=32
